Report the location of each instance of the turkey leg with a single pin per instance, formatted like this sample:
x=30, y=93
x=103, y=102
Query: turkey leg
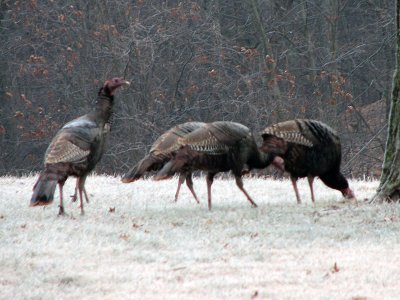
x=294, y=183
x=209, y=179
x=310, y=182
x=61, y=212
x=189, y=183
x=239, y=183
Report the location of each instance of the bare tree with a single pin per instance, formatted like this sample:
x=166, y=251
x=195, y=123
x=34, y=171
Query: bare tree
x=389, y=187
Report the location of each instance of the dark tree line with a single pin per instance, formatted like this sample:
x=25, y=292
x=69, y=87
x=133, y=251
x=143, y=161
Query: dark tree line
x=256, y=62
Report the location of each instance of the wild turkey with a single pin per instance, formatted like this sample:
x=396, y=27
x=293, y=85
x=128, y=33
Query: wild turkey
x=76, y=149
x=217, y=147
x=161, y=152
x=308, y=148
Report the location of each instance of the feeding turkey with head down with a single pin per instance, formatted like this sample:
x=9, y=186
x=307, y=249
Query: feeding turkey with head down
x=307, y=148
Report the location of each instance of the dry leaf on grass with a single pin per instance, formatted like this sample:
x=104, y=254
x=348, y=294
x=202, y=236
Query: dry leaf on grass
x=335, y=268
x=124, y=237
x=255, y=295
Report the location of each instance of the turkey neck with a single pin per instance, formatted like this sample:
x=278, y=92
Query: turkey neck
x=259, y=160
x=335, y=180
x=102, y=111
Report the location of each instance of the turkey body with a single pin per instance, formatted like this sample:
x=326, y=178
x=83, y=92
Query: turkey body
x=309, y=148
x=217, y=147
x=76, y=149
x=161, y=152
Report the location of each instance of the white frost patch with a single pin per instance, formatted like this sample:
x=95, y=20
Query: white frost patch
x=153, y=248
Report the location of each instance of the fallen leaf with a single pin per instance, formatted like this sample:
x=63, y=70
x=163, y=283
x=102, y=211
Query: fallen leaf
x=175, y=224
x=255, y=295
x=111, y=210
x=392, y=218
x=334, y=207
x=124, y=237
x=335, y=268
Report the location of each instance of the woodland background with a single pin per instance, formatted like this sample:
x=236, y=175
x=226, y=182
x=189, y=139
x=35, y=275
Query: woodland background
x=252, y=61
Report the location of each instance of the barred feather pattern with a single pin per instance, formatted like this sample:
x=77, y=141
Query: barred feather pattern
x=288, y=131
x=210, y=149
x=206, y=143
x=65, y=152
x=72, y=142
x=303, y=132
x=161, y=151
x=168, y=141
x=216, y=138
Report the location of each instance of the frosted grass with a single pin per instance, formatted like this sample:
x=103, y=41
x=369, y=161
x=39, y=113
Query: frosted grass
x=153, y=248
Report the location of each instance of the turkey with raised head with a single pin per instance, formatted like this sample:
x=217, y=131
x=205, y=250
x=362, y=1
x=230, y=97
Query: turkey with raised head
x=217, y=147
x=309, y=149
x=76, y=149
x=161, y=152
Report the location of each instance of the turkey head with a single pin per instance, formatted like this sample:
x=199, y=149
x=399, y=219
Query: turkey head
x=112, y=84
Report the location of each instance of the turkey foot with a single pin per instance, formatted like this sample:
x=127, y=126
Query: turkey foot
x=74, y=197
x=61, y=212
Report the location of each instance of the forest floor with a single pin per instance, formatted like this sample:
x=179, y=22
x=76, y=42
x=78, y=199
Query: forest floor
x=134, y=242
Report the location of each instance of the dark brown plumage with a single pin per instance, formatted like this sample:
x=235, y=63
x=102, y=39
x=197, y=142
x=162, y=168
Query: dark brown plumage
x=76, y=149
x=161, y=152
x=308, y=148
x=217, y=147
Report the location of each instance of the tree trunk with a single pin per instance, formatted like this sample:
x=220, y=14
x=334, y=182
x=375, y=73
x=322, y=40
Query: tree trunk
x=389, y=187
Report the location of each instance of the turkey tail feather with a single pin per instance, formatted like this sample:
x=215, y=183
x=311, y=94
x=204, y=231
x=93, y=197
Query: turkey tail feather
x=133, y=174
x=43, y=191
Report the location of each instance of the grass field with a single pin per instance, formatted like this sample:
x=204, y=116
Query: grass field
x=134, y=242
